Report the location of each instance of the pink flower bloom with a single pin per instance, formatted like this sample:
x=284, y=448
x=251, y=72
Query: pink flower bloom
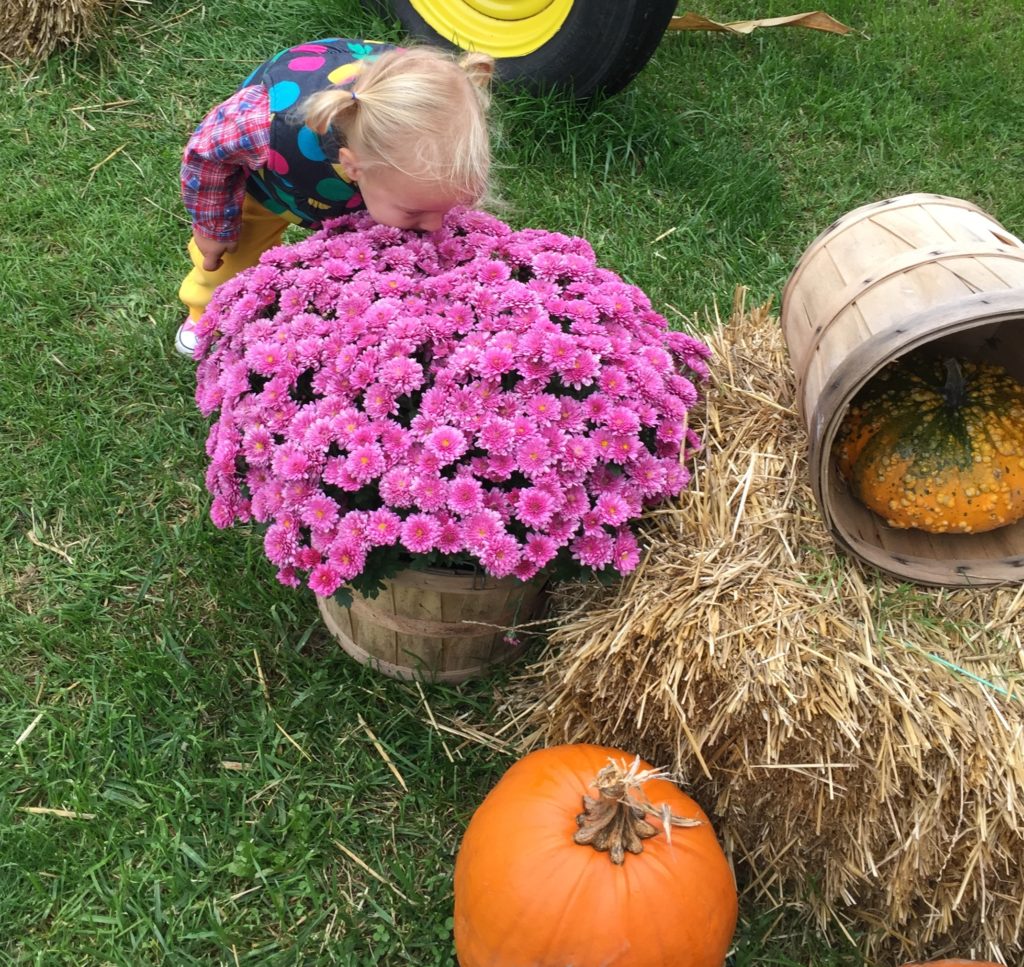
x=594, y=549
x=222, y=512
x=559, y=348
x=622, y=420
x=533, y=455
x=481, y=381
x=265, y=358
x=611, y=509
x=290, y=462
x=479, y=529
x=396, y=487
x=465, y=495
x=540, y=549
x=419, y=533
x=561, y=528
x=604, y=445
x=495, y=362
x=613, y=381
x=430, y=491
x=447, y=443
x=380, y=401
x=534, y=506
x=626, y=552
x=288, y=577
x=544, y=408
x=307, y=558
x=280, y=544
x=577, y=455
x=348, y=557
x=498, y=467
x=449, y=537
x=320, y=512
x=496, y=435
x=402, y=375
x=365, y=462
x=383, y=527
x=258, y=446
x=501, y=555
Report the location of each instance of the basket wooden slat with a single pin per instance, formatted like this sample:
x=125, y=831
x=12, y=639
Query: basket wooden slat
x=887, y=278
x=434, y=625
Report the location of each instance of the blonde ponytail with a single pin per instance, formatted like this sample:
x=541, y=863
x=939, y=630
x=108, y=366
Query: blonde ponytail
x=328, y=109
x=479, y=68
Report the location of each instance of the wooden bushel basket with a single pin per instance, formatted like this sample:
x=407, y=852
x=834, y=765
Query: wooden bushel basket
x=437, y=626
x=883, y=280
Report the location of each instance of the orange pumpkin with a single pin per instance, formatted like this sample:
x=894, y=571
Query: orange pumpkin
x=569, y=860
x=953, y=963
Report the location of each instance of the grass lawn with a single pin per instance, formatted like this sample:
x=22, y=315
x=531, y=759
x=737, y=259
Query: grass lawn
x=217, y=750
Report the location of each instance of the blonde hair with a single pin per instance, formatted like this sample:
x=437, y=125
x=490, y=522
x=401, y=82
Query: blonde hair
x=419, y=110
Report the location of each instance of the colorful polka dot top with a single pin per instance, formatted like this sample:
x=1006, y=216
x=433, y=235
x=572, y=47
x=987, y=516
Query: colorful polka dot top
x=302, y=176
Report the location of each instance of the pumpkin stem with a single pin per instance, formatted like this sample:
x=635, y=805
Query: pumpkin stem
x=954, y=390
x=615, y=822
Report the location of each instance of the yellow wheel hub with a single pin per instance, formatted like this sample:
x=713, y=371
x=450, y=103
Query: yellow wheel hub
x=501, y=28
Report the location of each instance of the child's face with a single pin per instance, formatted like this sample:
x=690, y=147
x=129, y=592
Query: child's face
x=396, y=199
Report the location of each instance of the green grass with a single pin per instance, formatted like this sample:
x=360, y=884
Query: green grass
x=149, y=649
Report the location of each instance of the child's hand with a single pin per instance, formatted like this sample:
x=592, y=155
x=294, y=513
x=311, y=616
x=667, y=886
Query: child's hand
x=212, y=249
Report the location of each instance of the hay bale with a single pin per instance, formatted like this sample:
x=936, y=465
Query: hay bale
x=31, y=30
x=860, y=740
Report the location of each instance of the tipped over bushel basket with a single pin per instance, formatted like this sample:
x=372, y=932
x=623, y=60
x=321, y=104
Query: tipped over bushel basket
x=435, y=625
x=887, y=278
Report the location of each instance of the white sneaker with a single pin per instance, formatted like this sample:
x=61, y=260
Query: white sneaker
x=185, y=338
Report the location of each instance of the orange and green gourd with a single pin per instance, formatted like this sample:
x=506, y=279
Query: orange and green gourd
x=937, y=444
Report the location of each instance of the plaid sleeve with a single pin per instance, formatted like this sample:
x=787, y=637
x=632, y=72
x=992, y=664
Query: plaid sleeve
x=231, y=141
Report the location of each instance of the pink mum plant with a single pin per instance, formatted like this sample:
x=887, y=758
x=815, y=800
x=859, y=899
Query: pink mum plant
x=480, y=396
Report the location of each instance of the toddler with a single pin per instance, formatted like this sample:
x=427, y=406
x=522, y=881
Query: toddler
x=326, y=128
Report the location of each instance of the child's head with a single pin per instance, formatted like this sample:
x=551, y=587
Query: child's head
x=415, y=133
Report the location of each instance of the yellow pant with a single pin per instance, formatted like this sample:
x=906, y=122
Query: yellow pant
x=261, y=230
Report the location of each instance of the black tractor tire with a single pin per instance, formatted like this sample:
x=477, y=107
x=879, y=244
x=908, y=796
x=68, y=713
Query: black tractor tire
x=601, y=46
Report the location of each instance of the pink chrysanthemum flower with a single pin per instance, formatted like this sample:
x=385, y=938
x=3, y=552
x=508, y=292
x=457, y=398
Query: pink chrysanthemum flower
x=280, y=544
x=290, y=462
x=494, y=394
x=593, y=549
x=380, y=401
x=419, y=533
x=396, y=487
x=534, y=506
x=320, y=512
x=325, y=579
x=449, y=537
x=496, y=435
x=501, y=555
x=365, y=462
x=465, y=495
x=447, y=443
x=626, y=552
x=479, y=529
x=257, y=446
x=402, y=375
x=612, y=509
x=348, y=557
x=382, y=527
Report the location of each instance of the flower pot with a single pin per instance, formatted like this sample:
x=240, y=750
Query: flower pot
x=435, y=625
